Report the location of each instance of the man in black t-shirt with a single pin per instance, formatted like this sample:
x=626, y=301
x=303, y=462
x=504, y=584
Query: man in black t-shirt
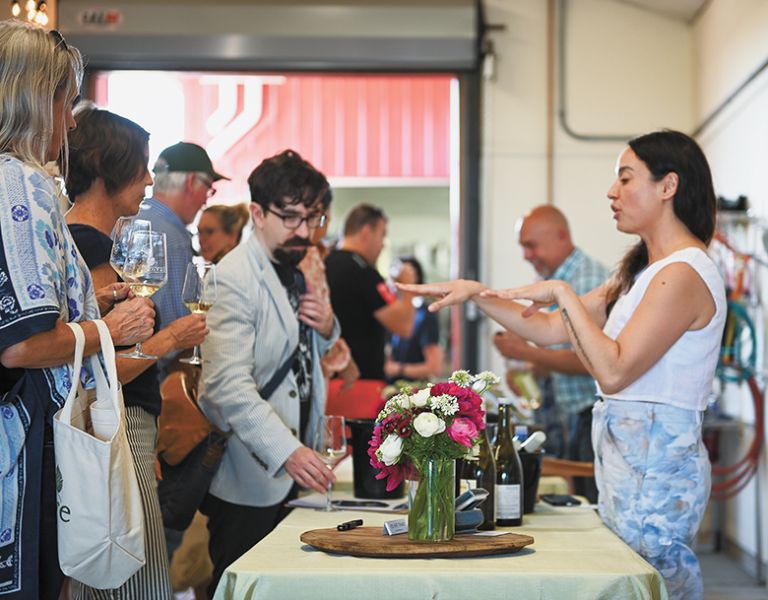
x=365, y=306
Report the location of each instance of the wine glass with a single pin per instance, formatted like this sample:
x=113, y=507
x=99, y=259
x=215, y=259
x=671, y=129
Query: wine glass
x=198, y=295
x=331, y=445
x=121, y=236
x=145, y=271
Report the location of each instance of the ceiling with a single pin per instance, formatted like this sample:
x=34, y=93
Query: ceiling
x=682, y=10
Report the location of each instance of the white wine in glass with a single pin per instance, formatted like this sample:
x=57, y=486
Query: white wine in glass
x=121, y=236
x=145, y=271
x=331, y=445
x=198, y=295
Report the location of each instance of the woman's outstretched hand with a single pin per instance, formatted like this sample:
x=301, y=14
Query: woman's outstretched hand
x=447, y=292
x=540, y=294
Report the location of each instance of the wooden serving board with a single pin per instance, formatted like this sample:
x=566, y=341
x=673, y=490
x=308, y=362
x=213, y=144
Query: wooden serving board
x=371, y=542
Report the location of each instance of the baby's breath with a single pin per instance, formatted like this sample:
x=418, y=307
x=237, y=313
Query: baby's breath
x=448, y=405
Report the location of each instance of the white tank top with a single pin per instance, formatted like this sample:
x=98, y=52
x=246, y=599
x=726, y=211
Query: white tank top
x=683, y=375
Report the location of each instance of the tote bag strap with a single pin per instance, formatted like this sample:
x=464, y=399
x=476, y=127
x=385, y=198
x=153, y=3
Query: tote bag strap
x=108, y=352
x=77, y=364
x=106, y=382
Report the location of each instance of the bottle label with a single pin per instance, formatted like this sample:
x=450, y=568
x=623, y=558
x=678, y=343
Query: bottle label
x=508, y=501
x=467, y=484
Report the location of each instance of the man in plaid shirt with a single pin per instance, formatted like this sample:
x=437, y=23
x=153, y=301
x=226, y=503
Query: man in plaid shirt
x=545, y=238
x=184, y=180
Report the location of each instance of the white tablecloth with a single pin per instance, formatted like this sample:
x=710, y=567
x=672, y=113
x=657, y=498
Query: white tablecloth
x=574, y=557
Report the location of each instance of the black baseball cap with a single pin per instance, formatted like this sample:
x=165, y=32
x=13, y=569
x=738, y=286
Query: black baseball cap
x=186, y=157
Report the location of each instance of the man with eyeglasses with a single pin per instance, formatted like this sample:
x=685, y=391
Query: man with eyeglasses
x=184, y=179
x=262, y=379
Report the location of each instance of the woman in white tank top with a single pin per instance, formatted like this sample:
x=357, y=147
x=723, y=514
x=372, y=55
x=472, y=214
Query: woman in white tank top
x=650, y=337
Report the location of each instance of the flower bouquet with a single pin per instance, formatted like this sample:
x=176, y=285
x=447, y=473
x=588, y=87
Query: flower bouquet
x=427, y=430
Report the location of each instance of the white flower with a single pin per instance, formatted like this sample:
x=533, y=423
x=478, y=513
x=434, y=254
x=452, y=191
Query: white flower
x=462, y=378
x=478, y=386
x=390, y=450
x=428, y=424
x=402, y=400
x=420, y=398
x=484, y=380
x=446, y=404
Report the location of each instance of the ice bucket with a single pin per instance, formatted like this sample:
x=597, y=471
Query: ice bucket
x=366, y=484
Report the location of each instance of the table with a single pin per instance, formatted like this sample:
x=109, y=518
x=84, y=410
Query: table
x=575, y=557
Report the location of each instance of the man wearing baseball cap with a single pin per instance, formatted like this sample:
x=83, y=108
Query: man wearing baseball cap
x=184, y=179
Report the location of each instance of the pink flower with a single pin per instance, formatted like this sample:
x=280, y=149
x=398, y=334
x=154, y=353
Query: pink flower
x=374, y=444
x=474, y=411
x=462, y=431
x=394, y=475
x=451, y=389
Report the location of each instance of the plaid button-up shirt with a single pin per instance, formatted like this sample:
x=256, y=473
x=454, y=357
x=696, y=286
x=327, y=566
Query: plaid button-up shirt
x=178, y=250
x=574, y=393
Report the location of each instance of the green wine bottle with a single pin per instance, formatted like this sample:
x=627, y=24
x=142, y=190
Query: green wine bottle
x=509, y=472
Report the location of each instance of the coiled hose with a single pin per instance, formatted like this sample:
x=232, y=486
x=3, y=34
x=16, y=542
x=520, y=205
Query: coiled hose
x=734, y=367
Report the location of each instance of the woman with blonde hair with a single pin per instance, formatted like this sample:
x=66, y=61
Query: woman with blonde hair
x=220, y=229
x=44, y=284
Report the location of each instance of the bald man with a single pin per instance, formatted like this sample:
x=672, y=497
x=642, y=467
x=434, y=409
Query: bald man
x=545, y=238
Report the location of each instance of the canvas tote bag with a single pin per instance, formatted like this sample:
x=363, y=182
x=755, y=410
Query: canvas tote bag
x=99, y=510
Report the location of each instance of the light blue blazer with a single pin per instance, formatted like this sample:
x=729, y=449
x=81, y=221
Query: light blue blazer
x=253, y=330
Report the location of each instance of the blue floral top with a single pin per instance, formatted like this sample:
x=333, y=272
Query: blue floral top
x=42, y=279
x=42, y=276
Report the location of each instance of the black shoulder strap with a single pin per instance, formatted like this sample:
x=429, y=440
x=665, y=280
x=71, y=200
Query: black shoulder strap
x=269, y=389
x=299, y=281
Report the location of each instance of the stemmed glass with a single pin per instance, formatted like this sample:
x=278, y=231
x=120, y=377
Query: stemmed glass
x=198, y=295
x=331, y=445
x=145, y=271
x=121, y=236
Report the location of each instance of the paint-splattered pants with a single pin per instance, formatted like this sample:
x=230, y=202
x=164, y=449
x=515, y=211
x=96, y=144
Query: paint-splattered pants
x=653, y=476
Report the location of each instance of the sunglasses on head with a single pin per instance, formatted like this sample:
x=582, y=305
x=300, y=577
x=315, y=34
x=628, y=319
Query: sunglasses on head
x=59, y=39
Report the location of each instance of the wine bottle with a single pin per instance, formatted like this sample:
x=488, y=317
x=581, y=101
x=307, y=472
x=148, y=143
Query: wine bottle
x=479, y=471
x=466, y=479
x=485, y=476
x=509, y=473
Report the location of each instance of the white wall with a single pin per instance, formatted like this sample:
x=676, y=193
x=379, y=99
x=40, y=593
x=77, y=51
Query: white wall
x=628, y=71
x=730, y=44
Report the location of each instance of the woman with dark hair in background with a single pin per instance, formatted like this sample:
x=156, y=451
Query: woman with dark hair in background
x=44, y=284
x=650, y=337
x=106, y=177
x=420, y=356
x=220, y=229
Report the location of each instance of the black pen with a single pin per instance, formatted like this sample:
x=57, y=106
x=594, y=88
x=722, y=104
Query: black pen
x=349, y=525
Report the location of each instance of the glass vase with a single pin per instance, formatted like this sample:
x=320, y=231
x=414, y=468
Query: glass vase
x=431, y=517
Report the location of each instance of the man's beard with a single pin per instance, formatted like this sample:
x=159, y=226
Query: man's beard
x=292, y=252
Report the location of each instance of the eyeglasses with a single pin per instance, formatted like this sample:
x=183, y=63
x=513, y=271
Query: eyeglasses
x=291, y=221
x=207, y=183
x=59, y=39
